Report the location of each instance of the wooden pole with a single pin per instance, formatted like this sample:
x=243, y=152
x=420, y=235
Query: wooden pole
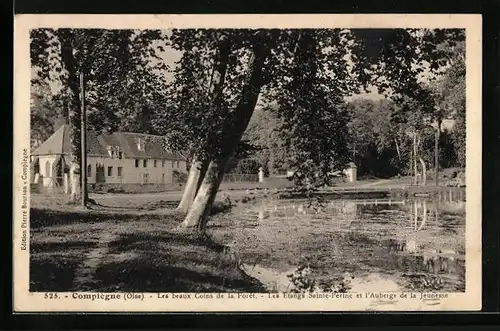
x=415, y=170
x=436, y=155
x=83, y=167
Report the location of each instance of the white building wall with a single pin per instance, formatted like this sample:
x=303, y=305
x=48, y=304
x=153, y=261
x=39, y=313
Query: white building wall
x=161, y=174
x=114, y=163
x=130, y=174
x=46, y=163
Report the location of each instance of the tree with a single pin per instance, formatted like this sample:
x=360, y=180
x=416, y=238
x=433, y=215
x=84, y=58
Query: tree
x=378, y=145
x=45, y=109
x=231, y=133
x=406, y=56
x=312, y=110
x=198, y=90
x=416, y=116
x=451, y=89
x=110, y=61
x=263, y=133
x=268, y=66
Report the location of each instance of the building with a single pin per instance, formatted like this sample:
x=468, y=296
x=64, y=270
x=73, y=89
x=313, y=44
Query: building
x=118, y=158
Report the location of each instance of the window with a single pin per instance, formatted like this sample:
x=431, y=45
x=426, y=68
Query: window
x=110, y=171
x=144, y=163
x=173, y=164
x=145, y=178
x=163, y=178
x=120, y=155
x=47, y=169
x=154, y=163
x=162, y=163
x=89, y=171
x=136, y=163
x=111, y=152
x=140, y=145
x=177, y=165
x=120, y=171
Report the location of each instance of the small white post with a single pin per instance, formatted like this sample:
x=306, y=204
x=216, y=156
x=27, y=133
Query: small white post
x=75, y=187
x=352, y=172
x=261, y=175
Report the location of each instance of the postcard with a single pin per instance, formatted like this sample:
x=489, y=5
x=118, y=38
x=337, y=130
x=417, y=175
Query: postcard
x=247, y=163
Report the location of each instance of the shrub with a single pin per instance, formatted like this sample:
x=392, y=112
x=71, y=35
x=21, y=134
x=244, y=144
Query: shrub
x=179, y=177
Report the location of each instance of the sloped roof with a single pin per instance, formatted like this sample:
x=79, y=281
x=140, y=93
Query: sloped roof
x=55, y=145
x=59, y=143
x=127, y=141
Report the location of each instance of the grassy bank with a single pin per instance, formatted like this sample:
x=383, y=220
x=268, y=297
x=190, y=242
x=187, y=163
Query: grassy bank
x=127, y=248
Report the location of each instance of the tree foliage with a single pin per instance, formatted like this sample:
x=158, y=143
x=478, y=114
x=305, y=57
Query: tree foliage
x=310, y=103
x=122, y=81
x=269, y=151
x=45, y=109
x=451, y=89
x=378, y=145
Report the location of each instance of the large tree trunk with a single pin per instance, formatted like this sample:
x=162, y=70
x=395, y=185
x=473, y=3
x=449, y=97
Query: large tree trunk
x=399, y=155
x=69, y=62
x=424, y=172
x=197, y=172
x=199, y=167
x=205, y=197
x=75, y=182
x=415, y=169
x=436, y=151
x=397, y=149
x=410, y=165
x=233, y=131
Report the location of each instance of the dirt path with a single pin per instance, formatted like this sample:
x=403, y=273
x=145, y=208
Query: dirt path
x=84, y=275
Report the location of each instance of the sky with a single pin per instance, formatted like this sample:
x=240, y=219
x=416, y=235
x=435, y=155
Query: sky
x=170, y=56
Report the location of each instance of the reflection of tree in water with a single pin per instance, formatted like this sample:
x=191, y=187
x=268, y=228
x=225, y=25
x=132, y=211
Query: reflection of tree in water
x=419, y=221
x=428, y=269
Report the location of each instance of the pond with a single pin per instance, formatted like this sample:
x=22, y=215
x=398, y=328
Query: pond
x=413, y=244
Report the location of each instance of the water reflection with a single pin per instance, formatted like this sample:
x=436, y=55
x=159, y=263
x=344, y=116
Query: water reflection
x=420, y=242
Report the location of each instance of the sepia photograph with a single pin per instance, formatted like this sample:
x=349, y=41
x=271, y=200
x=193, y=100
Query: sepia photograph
x=212, y=164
